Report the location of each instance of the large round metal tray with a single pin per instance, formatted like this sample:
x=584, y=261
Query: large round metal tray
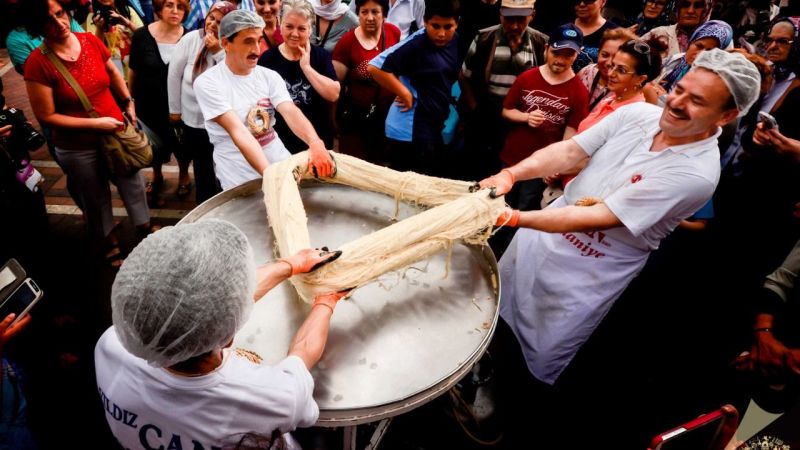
x=397, y=342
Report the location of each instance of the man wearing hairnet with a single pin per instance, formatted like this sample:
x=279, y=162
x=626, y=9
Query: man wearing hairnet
x=648, y=168
x=166, y=373
x=239, y=99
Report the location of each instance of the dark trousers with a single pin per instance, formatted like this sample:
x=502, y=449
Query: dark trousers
x=199, y=146
x=427, y=158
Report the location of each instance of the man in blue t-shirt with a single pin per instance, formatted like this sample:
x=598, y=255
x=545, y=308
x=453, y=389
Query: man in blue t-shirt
x=421, y=71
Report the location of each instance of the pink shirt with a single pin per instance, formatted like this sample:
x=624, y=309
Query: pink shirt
x=600, y=111
x=606, y=107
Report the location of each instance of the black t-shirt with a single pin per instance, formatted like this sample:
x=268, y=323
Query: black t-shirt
x=315, y=108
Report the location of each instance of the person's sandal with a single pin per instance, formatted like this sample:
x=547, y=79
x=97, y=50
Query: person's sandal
x=184, y=190
x=113, y=256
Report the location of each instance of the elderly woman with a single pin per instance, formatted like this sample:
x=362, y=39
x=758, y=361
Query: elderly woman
x=308, y=72
x=168, y=360
x=334, y=19
x=195, y=52
x=712, y=34
x=269, y=10
x=595, y=76
x=76, y=135
x=364, y=109
x=151, y=51
x=690, y=15
x=655, y=13
x=589, y=19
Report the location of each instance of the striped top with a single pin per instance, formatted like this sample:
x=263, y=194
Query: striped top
x=492, y=64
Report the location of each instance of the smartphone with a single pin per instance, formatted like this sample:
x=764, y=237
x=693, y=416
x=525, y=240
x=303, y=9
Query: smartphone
x=21, y=300
x=11, y=275
x=767, y=119
x=697, y=434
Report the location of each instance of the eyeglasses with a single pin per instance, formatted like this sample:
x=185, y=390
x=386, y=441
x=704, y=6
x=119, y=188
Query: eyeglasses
x=658, y=2
x=639, y=47
x=621, y=70
x=585, y=2
x=780, y=41
x=697, y=5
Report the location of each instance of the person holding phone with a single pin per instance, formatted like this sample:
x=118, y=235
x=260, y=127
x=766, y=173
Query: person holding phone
x=77, y=136
x=167, y=364
x=12, y=403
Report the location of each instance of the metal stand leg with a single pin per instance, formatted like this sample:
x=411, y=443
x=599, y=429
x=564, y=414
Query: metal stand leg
x=351, y=432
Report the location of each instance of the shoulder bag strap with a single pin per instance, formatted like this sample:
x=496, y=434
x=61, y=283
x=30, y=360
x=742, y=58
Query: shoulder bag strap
x=87, y=105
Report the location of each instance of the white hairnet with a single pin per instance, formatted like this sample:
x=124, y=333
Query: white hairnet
x=740, y=75
x=183, y=291
x=239, y=20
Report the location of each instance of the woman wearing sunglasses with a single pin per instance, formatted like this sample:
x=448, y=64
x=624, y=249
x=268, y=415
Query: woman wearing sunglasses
x=634, y=64
x=690, y=15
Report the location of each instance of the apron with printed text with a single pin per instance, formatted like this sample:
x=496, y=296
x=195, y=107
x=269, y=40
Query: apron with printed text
x=557, y=287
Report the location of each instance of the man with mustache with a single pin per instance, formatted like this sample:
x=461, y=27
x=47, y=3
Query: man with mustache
x=649, y=169
x=544, y=105
x=239, y=100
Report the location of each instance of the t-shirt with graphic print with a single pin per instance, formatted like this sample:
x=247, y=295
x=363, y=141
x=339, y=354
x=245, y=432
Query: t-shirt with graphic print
x=564, y=104
x=315, y=108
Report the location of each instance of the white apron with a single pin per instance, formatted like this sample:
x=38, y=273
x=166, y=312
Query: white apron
x=557, y=287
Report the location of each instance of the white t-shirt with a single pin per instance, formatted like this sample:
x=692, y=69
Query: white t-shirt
x=557, y=287
x=650, y=192
x=148, y=407
x=179, y=81
x=218, y=90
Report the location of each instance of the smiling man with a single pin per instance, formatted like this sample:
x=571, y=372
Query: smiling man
x=239, y=101
x=649, y=169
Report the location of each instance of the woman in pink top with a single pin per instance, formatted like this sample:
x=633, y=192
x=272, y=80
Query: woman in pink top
x=635, y=63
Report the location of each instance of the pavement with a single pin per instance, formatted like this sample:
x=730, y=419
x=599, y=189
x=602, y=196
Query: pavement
x=56, y=351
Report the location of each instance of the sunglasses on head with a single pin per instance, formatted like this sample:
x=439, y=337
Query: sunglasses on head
x=639, y=47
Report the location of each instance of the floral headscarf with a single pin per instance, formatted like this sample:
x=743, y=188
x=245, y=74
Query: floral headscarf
x=201, y=63
x=684, y=35
x=717, y=29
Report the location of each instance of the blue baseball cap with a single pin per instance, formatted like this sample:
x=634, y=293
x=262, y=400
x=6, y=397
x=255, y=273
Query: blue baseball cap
x=566, y=36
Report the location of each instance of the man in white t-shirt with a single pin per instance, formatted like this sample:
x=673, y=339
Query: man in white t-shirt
x=649, y=169
x=166, y=373
x=239, y=100
x=567, y=264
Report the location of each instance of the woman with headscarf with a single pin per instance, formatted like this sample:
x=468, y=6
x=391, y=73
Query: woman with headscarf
x=712, y=34
x=194, y=53
x=334, y=19
x=690, y=15
x=655, y=13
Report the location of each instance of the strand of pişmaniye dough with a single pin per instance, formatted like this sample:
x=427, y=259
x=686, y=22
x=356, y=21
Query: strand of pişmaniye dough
x=455, y=214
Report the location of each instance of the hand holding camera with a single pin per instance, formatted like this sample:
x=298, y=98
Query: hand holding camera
x=21, y=135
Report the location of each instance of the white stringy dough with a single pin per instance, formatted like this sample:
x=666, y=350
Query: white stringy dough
x=456, y=214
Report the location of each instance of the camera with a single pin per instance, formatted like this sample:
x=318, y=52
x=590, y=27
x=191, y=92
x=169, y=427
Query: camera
x=23, y=135
x=104, y=11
